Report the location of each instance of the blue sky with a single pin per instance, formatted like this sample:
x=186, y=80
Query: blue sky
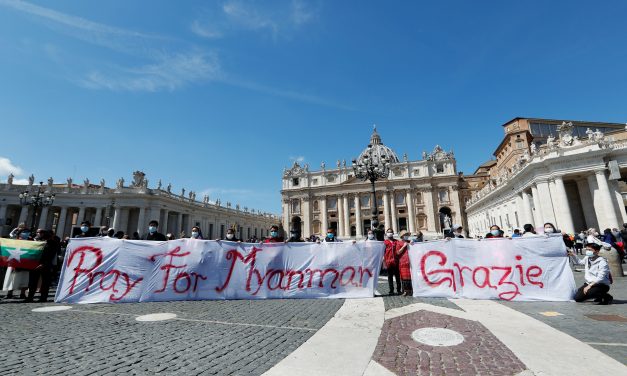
x=219, y=96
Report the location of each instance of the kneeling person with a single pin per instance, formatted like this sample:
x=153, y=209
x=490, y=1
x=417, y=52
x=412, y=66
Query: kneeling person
x=597, y=275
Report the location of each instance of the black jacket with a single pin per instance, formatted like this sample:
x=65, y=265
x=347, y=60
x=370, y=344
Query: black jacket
x=156, y=236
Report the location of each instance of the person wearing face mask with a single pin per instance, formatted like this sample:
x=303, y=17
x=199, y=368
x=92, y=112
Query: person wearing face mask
x=457, y=232
x=196, y=233
x=85, y=226
x=391, y=259
x=402, y=252
x=230, y=236
x=370, y=236
x=17, y=279
x=495, y=232
x=597, y=276
x=549, y=229
x=294, y=237
x=153, y=233
x=274, y=236
x=331, y=237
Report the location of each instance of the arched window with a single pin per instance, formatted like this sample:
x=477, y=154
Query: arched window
x=316, y=206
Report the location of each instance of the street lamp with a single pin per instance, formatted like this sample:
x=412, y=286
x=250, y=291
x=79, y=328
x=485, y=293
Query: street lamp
x=373, y=167
x=37, y=200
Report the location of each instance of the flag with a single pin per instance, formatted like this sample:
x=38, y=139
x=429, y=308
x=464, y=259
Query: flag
x=22, y=254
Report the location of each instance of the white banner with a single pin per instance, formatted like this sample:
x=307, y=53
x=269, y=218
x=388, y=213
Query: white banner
x=112, y=270
x=520, y=269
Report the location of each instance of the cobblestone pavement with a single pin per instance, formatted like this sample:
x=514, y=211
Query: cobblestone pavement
x=397, y=301
x=208, y=337
x=480, y=353
x=609, y=337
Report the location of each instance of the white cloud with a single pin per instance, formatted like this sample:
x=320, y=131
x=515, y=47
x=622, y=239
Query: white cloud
x=301, y=13
x=299, y=159
x=7, y=167
x=205, y=31
x=169, y=73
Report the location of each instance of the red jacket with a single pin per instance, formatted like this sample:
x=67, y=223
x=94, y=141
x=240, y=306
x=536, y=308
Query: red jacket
x=403, y=263
x=389, y=257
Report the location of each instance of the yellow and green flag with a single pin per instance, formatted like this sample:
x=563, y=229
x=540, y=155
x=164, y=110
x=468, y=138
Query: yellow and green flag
x=24, y=254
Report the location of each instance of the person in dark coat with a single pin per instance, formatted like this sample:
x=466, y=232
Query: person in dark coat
x=230, y=236
x=294, y=237
x=85, y=225
x=45, y=267
x=153, y=234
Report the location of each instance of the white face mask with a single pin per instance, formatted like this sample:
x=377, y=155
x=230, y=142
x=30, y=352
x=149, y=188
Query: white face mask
x=194, y=234
x=371, y=236
x=589, y=253
x=495, y=232
x=548, y=230
x=229, y=236
x=390, y=234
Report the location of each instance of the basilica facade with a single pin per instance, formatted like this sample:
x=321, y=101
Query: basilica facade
x=127, y=207
x=424, y=195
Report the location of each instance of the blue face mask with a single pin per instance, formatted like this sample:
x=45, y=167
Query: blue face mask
x=495, y=232
x=330, y=235
x=274, y=234
x=84, y=228
x=25, y=235
x=152, y=229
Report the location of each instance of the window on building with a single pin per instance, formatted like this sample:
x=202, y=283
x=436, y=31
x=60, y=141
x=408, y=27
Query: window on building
x=295, y=206
x=365, y=201
x=419, y=198
x=316, y=206
x=295, y=182
x=399, y=199
x=314, y=181
x=439, y=168
x=351, y=203
x=443, y=195
x=332, y=204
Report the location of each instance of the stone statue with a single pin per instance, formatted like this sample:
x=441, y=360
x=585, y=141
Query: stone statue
x=339, y=163
x=169, y=188
x=323, y=165
x=405, y=157
x=447, y=222
x=86, y=183
x=237, y=207
x=589, y=133
x=183, y=192
x=205, y=199
x=120, y=183
x=102, y=183
x=534, y=148
x=144, y=184
x=228, y=204
x=159, y=184
x=69, y=182
x=10, y=179
x=138, y=179
x=31, y=179
x=550, y=140
x=50, y=181
x=344, y=163
x=424, y=155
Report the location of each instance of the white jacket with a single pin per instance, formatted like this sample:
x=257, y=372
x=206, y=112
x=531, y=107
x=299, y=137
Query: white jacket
x=597, y=270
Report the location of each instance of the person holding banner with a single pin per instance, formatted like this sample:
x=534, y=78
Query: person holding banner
x=274, y=235
x=597, y=275
x=391, y=262
x=15, y=278
x=85, y=225
x=331, y=236
x=495, y=232
x=402, y=252
x=196, y=233
x=153, y=234
x=44, y=269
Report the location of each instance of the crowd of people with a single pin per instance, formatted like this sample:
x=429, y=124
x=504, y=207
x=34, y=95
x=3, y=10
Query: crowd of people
x=395, y=261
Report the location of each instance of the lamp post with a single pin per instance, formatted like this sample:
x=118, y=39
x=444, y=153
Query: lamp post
x=372, y=167
x=36, y=200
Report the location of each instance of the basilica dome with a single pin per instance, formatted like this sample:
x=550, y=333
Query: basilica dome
x=378, y=149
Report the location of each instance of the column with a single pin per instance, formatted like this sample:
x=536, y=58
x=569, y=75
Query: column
x=386, y=209
x=98, y=219
x=562, y=208
x=163, y=227
x=457, y=205
x=537, y=213
x=347, y=217
x=340, y=216
x=81, y=215
x=605, y=210
x=393, y=212
x=427, y=196
x=43, y=218
x=587, y=203
x=411, y=212
x=324, y=225
x=306, y=224
x=141, y=220
x=286, y=214
x=544, y=197
x=358, y=222
x=526, y=208
x=60, y=230
x=23, y=214
x=179, y=225
x=117, y=218
x=619, y=203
